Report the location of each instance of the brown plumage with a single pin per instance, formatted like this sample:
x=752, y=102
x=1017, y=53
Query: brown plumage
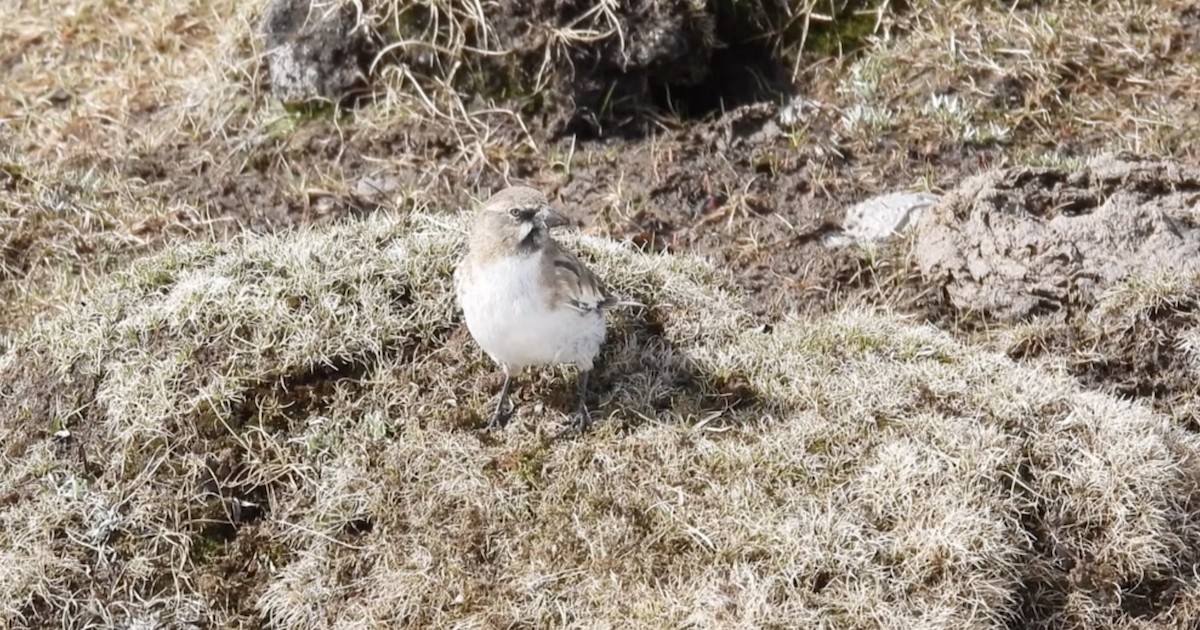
x=572, y=283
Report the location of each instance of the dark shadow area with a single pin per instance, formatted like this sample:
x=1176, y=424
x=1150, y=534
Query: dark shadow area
x=738, y=75
x=639, y=377
x=693, y=82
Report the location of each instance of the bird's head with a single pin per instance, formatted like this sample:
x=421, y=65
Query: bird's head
x=518, y=213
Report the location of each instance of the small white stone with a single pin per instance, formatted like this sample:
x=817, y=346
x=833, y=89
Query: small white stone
x=881, y=217
x=375, y=187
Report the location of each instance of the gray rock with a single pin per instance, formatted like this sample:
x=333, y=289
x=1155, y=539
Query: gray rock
x=1025, y=241
x=316, y=52
x=377, y=187
x=880, y=217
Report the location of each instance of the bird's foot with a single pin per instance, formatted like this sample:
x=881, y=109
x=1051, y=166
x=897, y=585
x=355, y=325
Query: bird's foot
x=500, y=416
x=504, y=406
x=581, y=420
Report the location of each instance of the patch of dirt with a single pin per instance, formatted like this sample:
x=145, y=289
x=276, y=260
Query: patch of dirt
x=257, y=194
x=1025, y=241
x=234, y=570
x=671, y=133
x=50, y=403
x=672, y=127
x=1080, y=256
x=733, y=187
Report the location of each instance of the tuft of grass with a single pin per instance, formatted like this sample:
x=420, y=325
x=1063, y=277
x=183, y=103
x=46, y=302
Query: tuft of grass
x=1047, y=76
x=286, y=429
x=61, y=229
x=1138, y=342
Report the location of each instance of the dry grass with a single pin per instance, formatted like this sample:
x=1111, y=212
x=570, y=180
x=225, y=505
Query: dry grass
x=1045, y=80
x=1118, y=75
x=1139, y=341
x=87, y=79
x=184, y=84
x=287, y=429
x=61, y=228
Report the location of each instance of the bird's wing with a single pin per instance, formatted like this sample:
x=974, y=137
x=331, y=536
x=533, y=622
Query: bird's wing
x=573, y=284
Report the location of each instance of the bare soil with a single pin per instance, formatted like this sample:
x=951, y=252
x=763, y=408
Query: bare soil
x=724, y=188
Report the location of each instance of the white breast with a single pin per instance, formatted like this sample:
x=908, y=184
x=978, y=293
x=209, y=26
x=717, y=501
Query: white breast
x=507, y=312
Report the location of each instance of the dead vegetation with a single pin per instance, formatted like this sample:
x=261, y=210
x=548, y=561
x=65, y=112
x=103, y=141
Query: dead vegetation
x=59, y=230
x=1138, y=343
x=234, y=391
x=289, y=427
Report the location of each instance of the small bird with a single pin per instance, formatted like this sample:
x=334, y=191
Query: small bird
x=526, y=300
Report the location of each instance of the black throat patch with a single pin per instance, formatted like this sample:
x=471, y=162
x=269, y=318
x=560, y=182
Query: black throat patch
x=532, y=242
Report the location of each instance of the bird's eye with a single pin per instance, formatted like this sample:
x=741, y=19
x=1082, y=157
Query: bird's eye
x=515, y=213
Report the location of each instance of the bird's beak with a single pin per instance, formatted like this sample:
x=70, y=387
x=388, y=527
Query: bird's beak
x=550, y=218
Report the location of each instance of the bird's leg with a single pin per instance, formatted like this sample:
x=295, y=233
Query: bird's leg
x=583, y=417
x=503, y=405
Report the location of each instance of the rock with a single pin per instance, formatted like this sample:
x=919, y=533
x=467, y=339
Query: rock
x=880, y=217
x=1024, y=241
x=798, y=112
x=669, y=39
x=316, y=53
x=377, y=187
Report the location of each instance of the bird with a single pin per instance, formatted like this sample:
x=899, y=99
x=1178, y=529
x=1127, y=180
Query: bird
x=525, y=299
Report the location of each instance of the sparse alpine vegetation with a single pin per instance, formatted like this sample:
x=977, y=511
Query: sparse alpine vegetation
x=235, y=392
x=286, y=430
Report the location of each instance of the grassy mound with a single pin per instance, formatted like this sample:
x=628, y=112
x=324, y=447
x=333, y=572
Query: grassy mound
x=61, y=229
x=286, y=429
x=1139, y=341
